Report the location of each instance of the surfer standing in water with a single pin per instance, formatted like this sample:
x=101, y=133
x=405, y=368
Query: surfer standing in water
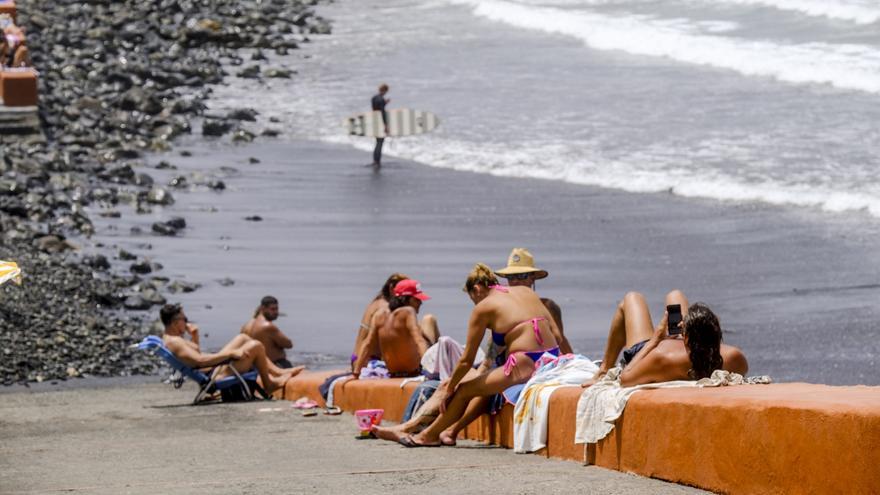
x=378, y=103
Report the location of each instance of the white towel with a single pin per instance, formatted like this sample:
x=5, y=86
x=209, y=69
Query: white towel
x=532, y=409
x=329, y=401
x=601, y=405
x=442, y=357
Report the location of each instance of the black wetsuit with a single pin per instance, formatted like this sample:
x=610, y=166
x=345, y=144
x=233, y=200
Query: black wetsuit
x=378, y=104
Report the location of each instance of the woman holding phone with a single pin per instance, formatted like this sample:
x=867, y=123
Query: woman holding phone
x=650, y=355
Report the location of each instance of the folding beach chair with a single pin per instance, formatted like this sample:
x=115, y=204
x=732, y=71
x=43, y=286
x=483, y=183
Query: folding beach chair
x=240, y=386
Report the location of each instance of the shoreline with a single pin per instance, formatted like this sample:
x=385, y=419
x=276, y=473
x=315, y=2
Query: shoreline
x=332, y=230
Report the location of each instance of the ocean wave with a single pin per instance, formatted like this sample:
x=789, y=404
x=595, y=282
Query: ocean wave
x=560, y=162
x=845, y=66
x=853, y=11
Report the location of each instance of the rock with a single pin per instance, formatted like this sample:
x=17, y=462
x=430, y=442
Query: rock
x=248, y=114
x=226, y=282
x=249, y=72
x=153, y=297
x=269, y=132
x=110, y=214
x=141, y=267
x=136, y=303
x=180, y=286
x=278, y=73
x=242, y=136
x=53, y=244
x=165, y=165
x=97, y=261
x=160, y=196
x=162, y=229
x=216, y=184
x=254, y=218
x=178, y=182
x=126, y=256
x=253, y=160
x=176, y=223
x=215, y=127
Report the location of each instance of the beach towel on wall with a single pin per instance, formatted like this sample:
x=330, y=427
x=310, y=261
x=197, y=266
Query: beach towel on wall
x=530, y=415
x=601, y=404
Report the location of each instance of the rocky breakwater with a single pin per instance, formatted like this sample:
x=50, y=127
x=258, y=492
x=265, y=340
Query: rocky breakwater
x=118, y=79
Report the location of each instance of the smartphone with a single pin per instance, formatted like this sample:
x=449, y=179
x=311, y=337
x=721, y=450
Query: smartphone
x=673, y=321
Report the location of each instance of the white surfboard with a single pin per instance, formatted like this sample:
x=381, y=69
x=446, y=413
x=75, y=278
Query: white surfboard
x=401, y=122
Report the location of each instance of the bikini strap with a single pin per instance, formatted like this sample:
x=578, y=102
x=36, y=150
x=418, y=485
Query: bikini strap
x=500, y=288
x=536, y=329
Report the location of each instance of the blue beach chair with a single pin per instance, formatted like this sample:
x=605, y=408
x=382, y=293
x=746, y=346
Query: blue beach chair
x=240, y=386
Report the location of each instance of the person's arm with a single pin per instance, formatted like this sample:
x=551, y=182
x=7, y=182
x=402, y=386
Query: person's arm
x=648, y=366
x=196, y=359
x=370, y=341
x=476, y=329
x=193, y=331
x=278, y=337
x=363, y=328
x=412, y=324
x=556, y=326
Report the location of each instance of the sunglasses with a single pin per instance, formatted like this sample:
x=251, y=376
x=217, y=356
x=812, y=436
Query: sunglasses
x=518, y=276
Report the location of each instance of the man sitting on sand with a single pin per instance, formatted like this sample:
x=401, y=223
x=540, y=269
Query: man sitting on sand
x=262, y=328
x=245, y=352
x=396, y=335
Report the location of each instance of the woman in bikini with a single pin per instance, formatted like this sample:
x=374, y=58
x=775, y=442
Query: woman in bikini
x=651, y=355
x=378, y=304
x=520, y=322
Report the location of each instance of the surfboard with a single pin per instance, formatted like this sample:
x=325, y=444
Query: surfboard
x=401, y=122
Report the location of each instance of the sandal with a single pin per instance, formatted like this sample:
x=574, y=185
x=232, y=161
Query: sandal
x=333, y=411
x=310, y=412
x=408, y=442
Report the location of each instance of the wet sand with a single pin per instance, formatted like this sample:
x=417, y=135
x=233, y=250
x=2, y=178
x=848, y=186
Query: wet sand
x=797, y=290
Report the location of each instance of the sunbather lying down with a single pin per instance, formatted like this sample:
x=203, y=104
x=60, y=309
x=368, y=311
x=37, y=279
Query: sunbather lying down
x=245, y=352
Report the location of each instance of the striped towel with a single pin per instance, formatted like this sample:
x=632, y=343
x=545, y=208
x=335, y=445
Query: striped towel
x=9, y=270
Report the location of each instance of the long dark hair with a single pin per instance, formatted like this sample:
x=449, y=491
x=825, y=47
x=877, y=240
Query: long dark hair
x=387, y=290
x=703, y=341
x=398, y=302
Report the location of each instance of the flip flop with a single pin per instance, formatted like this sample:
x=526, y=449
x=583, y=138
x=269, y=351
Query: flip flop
x=304, y=403
x=408, y=442
x=310, y=412
x=333, y=411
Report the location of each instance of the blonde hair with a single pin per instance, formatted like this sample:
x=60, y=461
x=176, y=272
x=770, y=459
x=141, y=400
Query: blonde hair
x=480, y=275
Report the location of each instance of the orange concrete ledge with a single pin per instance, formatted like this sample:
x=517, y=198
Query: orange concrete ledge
x=751, y=439
x=8, y=7
x=18, y=88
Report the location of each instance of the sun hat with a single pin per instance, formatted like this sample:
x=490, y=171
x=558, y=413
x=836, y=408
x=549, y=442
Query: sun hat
x=521, y=261
x=410, y=287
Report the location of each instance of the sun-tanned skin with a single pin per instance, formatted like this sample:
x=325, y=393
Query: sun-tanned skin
x=664, y=357
x=528, y=280
x=375, y=306
x=244, y=352
x=263, y=328
x=504, y=313
x=398, y=338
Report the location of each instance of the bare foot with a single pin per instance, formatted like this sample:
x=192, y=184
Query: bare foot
x=419, y=440
x=296, y=370
x=447, y=439
x=392, y=434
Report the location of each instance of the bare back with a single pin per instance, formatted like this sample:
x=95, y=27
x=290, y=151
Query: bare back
x=511, y=312
x=670, y=361
x=400, y=340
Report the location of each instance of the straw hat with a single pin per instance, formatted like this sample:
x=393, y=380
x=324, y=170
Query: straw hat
x=521, y=261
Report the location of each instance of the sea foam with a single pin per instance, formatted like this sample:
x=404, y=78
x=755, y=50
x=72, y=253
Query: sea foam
x=845, y=66
x=852, y=11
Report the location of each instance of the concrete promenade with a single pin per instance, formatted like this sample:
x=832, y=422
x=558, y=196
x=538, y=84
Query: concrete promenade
x=145, y=438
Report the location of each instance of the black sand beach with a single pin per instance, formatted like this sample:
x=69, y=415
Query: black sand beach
x=796, y=292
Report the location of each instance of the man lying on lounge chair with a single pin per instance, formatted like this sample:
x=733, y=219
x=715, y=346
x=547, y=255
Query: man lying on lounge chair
x=245, y=352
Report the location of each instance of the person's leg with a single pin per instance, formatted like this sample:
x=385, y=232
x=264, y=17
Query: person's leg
x=236, y=342
x=22, y=57
x=430, y=329
x=377, y=152
x=676, y=296
x=255, y=356
x=369, y=347
x=487, y=384
x=630, y=325
x=475, y=408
